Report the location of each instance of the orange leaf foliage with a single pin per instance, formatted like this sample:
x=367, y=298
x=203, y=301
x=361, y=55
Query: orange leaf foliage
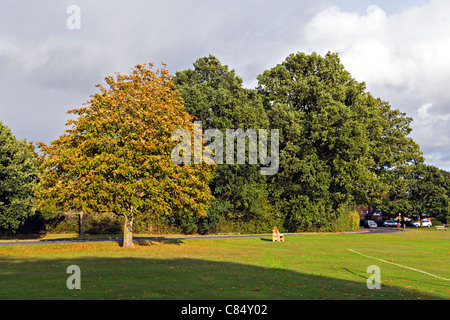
x=116, y=156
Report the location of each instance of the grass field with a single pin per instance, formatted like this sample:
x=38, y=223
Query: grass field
x=309, y=266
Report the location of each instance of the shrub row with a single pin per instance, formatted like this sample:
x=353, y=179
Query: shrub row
x=346, y=219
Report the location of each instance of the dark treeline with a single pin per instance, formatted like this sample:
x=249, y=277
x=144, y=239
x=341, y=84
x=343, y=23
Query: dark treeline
x=338, y=147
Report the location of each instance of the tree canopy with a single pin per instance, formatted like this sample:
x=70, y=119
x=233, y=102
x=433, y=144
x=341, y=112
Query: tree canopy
x=215, y=95
x=424, y=193
x=116, y=156
x=19, y=176
x=338, y=144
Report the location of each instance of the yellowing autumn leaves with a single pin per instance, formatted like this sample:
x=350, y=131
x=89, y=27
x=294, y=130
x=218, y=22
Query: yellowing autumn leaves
x=115, y=157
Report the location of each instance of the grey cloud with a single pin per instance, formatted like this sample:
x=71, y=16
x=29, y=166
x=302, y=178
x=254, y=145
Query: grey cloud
x=47, y=69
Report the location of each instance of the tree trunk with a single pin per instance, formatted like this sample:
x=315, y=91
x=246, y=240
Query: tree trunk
x=81, y=225
x=128, y=232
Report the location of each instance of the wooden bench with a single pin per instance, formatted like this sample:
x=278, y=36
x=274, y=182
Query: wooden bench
x=440, y=227
x=276, y=236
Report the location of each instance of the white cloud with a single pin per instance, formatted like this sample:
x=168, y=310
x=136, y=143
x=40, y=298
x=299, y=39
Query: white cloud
x=408, y=49
x=423, y=114
x=402, y=57
x=430, y=128
x=439, y=161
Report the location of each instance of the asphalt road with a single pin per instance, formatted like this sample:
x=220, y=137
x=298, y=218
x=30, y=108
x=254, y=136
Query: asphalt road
x=162, y=238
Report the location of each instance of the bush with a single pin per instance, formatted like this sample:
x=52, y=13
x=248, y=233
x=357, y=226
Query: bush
x=304, y=215
x=62, y=223
x=105, y=223
x=347, y=220
x=217, y=221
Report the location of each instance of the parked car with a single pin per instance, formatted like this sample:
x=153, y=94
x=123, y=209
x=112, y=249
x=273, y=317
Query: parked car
x=425, y=223
x=390, y=223
x=370, y=224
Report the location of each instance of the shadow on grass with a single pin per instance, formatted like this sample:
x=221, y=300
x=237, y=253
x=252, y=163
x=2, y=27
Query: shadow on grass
x=355, y=273
x=155, y=242
x=118, y=240
x=181, y=278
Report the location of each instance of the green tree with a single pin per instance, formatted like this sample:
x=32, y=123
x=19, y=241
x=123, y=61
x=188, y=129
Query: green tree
x=116, y=156
x=19, y=176
x=338, y=144
x=446, y=176
x=427, y=193
x=423, y=193
x=215, y=95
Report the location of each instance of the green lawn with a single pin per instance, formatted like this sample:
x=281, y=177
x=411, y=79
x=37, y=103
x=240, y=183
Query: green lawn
x=312, y=266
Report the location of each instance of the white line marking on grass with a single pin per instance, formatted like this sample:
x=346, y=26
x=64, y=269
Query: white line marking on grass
x=399, y=265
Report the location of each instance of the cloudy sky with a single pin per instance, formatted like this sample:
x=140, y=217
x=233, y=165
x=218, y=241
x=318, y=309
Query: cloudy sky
x=401, y=49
